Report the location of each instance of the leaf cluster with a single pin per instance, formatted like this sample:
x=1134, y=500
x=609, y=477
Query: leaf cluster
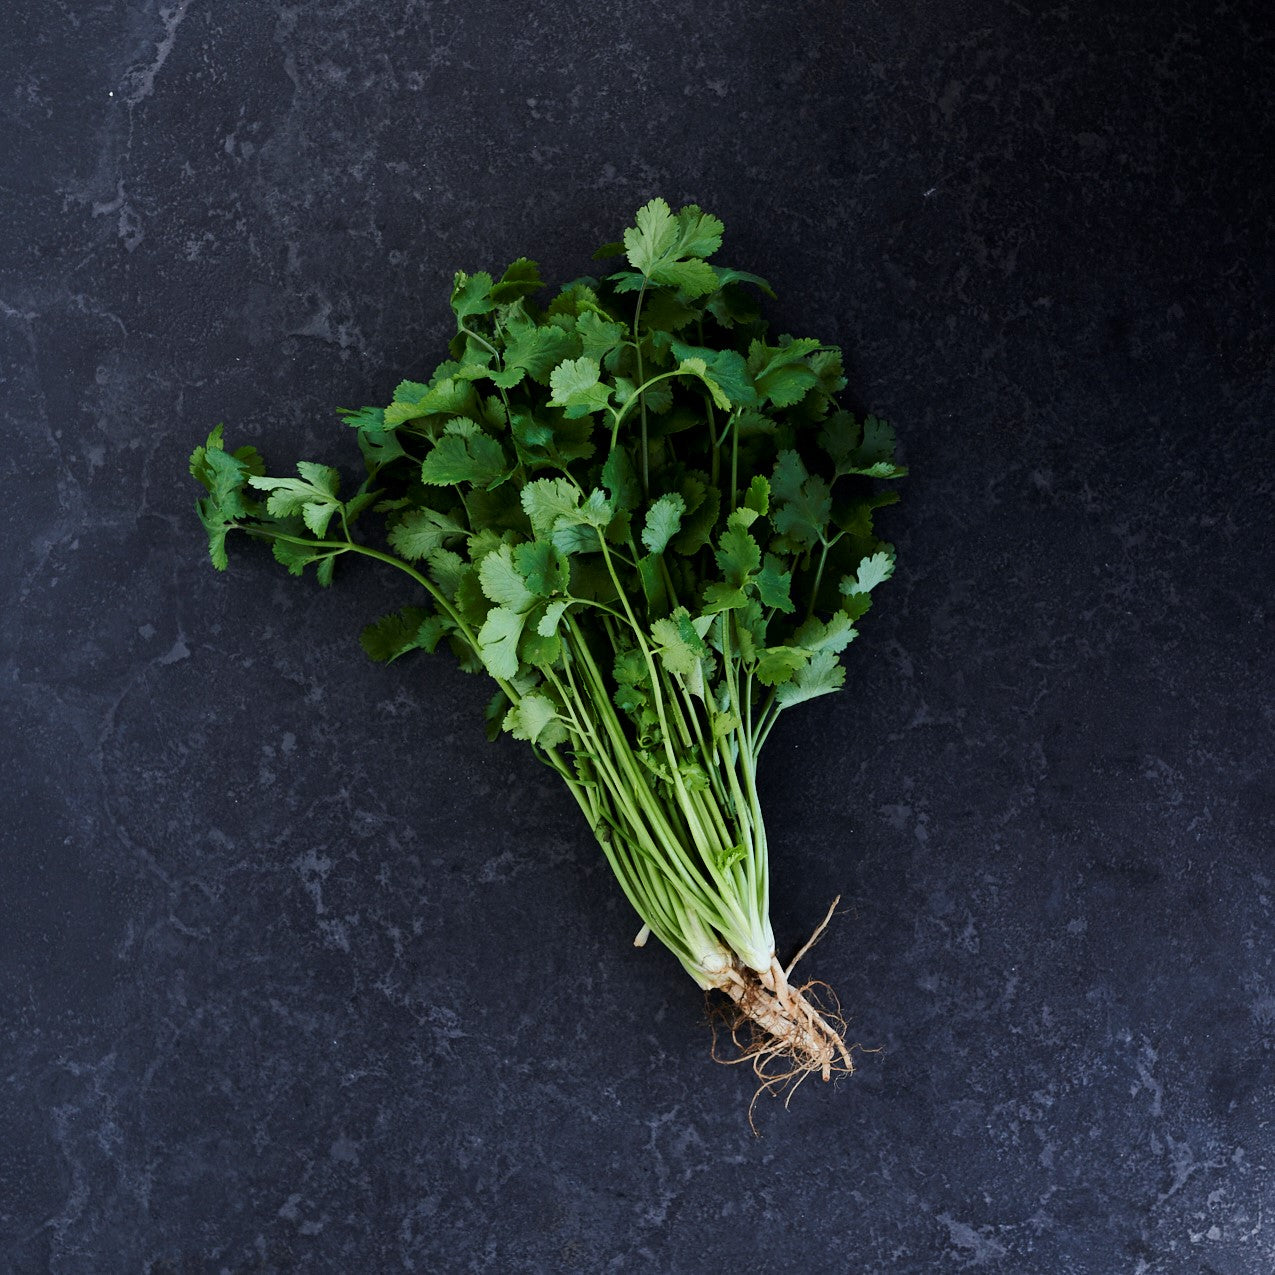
x=631, y=473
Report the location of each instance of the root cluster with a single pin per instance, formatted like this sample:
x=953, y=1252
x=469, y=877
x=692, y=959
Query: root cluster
x=786, y=1032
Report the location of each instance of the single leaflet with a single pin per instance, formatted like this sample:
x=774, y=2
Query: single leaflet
x=652, y=527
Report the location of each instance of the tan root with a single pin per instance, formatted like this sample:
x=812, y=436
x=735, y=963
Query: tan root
x=784, y=1030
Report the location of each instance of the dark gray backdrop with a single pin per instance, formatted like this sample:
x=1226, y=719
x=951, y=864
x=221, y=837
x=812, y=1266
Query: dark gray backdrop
x=300, y=974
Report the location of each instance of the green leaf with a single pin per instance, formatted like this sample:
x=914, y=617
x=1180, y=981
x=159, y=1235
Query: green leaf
x=419, y=532
x=728, y=276
x=781, y=373
x=576, y=389
x=548, y=499
x=458, y=458
x=222, y=474
x=323, y=478
x=834, y=634
x=434, y=628
x=535, y=718
x=521, y=279
x=680, y=646
x=552, y=617
x=297, y=557
x=576, y=537
x=446, y=569
x=621, y=481
x=506, y=378
x=801, y=504
x=878, y=442
x=774, y=585
x=662, y=522
x=450, y=396
x=598, y=336
x=502, y=582
x=596, y=510
x=779, y=664
x=312, y=496
x=698, y=368
x=757, y=497
x=738, y=555
x=823, y=675
x=691, y=278
x=703, y=503
x=538, y=350
x=654, y=235
x=664, y=249
x=543, y=566
x=529, y=433
x=471, y=295
x=393, y=635
x=872, y=572
x=699, y=234
x=288, y=496
x=724, y=597
x=653, y=587
x=726, y=369
x=217, y=528
x=498, y=641
x=317, y=516
x=573, y=300
x=860, y=449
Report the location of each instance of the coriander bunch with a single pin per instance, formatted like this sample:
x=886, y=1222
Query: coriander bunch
x=651, y=525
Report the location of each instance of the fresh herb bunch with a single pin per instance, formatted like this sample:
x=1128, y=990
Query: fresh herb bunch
x=653, y=528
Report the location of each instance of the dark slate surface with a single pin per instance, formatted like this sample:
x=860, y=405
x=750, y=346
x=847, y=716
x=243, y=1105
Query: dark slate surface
x=300, y=974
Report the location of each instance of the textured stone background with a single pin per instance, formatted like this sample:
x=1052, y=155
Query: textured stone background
x=299, y=974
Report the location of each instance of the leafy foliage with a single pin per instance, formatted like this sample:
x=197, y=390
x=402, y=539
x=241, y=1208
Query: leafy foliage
x=647, y=519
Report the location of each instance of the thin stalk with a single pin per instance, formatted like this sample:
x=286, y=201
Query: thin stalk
x=702, y=885
x=637, y=339
x=675, y=776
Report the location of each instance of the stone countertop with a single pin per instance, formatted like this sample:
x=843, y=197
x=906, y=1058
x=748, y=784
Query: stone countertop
x=299, y=974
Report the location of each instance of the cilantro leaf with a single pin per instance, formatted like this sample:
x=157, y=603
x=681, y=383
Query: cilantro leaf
x=521, y=279
x=872, y=571
x=471, y=295
x=801, y=502
x=538, y=350
x=652, y=237
x=420, y=532
x=833, y=634
x=535, y=719
x=781, y=373
x=475, y=458
x=738, y=555
x=393, y=635
x=860, y=449
x=666, y=249
x=823, y=675
x=621, y=481
x=598, y=337
x=498, y=641
x=774, y=585
x=779, y=664
x=662, y=522
x=725, y=370
x=544, y=567
x=576, y=388
x=548, y=499
x=503, y=583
